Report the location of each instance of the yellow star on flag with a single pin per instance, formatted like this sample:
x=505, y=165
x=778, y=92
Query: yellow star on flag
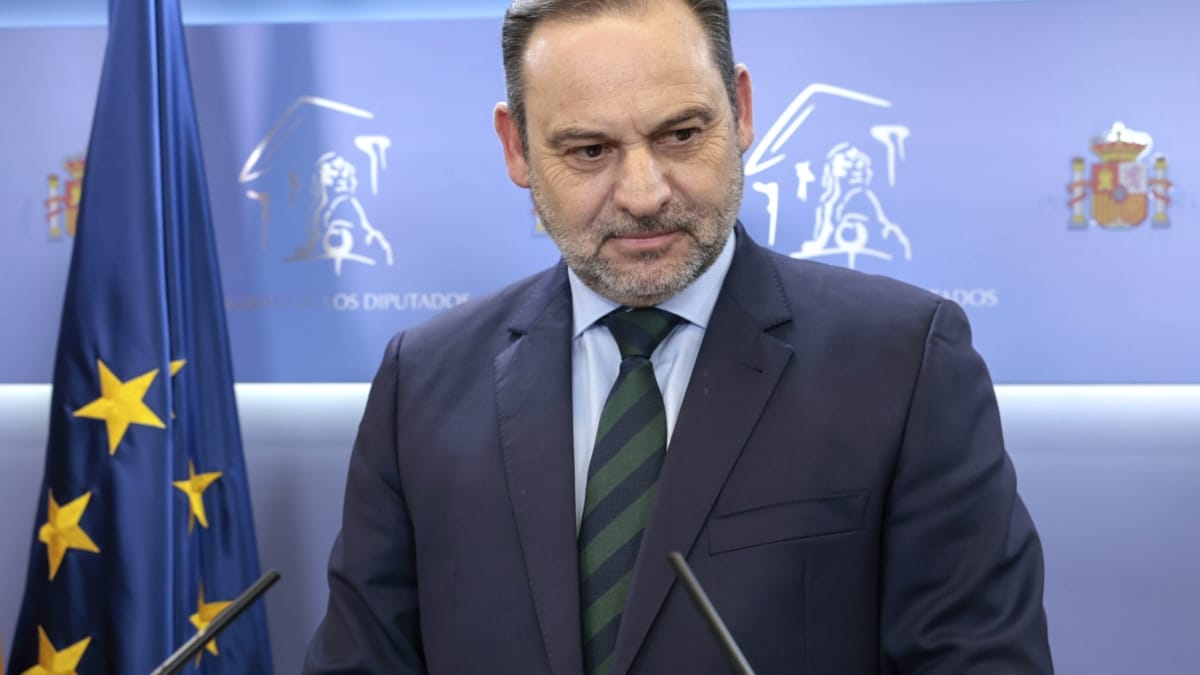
x=120, y=404
x=194, y=488
x=205, y=613
x=61, y=530
x=54, y=662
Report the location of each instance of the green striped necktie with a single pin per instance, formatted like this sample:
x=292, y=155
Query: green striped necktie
x=631, y=443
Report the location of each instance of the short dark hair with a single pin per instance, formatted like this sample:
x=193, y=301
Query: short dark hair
x=524, y=15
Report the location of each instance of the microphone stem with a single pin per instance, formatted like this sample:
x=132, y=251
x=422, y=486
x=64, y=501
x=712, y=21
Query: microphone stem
x=223, y=618
x=737, y=661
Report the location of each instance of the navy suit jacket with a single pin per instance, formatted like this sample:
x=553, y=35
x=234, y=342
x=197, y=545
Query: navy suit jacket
x=836, y=478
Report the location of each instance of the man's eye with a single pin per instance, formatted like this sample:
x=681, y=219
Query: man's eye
x=683, y=135
x=589, y=151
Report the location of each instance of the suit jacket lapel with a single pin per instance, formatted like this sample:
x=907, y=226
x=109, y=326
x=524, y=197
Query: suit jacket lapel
x=533, y=400
x=736, y=370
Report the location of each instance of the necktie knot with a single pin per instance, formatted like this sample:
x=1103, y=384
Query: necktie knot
x=638, y=332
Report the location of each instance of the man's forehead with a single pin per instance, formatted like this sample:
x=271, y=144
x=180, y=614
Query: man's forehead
x=619, y=73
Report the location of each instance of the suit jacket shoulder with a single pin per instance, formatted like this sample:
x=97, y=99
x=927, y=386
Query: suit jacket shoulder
x=838, y=320
x=853, y=300
x=461, y=341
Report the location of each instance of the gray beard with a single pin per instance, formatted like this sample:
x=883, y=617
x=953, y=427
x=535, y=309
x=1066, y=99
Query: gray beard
x=638, y=290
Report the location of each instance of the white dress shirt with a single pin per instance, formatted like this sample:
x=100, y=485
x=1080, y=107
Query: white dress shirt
x=595, y=359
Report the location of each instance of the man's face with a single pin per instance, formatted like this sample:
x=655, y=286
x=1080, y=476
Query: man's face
x=634, y=152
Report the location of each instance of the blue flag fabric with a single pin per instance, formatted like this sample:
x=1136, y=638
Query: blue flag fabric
x=144, y=528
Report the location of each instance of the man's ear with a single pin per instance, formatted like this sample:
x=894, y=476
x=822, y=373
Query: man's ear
x=510, y=140
x=745, y=121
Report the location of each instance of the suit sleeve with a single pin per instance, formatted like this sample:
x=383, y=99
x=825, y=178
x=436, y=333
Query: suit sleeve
x=372, y=622
x=962, y=579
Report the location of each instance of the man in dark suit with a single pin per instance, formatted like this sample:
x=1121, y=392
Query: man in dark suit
x=823, y=446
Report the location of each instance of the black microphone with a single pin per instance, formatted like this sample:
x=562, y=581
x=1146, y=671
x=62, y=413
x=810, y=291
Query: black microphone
x=218, y=624
x=736, y=660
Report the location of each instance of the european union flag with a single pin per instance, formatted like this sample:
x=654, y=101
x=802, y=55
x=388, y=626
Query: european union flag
x=144, y=531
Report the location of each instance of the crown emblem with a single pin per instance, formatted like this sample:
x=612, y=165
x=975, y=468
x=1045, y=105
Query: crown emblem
x=1122, y=190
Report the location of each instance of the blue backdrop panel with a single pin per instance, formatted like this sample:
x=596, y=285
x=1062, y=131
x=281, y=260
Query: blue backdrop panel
x=358, y=188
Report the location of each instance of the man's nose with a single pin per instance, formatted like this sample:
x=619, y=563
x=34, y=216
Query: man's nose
x=642, y=187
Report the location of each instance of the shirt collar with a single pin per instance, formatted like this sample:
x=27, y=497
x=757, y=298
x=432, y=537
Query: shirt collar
x=694, y=303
